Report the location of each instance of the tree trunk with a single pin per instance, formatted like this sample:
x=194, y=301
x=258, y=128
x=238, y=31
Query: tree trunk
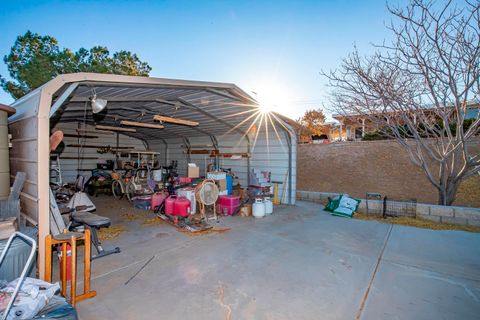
x=447, y=194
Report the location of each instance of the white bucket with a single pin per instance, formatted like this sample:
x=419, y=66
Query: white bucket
x=258, y=208
x=268, y=206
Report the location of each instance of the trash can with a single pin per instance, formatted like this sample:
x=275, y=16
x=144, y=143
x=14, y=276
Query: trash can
x=17, y=256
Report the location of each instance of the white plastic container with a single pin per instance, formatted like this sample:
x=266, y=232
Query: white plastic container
x=258, y=208
x=216, y=175
x=157, y=175
x=268, y=206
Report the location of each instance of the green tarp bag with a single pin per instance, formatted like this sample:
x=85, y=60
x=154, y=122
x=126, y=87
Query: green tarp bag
x=342, y=205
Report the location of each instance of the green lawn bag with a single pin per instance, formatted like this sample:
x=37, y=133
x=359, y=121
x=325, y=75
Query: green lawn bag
x=332, y=204
x=342, y=205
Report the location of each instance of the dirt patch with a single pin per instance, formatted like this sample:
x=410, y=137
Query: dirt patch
x=417, y=222
x=153, y=221
x=469, y=192
x=128, y=216
x=201, y=233
x=111, y=232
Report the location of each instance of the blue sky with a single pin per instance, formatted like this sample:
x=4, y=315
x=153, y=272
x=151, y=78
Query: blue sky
x=275, y=48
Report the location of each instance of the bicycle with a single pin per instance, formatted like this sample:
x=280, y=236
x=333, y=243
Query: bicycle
x=130, y=186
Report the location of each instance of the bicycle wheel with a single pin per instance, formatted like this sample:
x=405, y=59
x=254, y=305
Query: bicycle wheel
x=130, y=191
x=117, y=190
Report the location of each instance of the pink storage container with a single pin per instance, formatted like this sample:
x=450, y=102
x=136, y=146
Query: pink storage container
x=158, y=198
x=169, y=205
x=228, y=204
x=182, y=207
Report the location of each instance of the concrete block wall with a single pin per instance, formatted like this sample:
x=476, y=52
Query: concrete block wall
x=442, y=214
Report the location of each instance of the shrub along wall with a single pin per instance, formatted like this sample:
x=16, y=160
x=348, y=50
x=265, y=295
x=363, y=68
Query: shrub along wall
x=372, y=166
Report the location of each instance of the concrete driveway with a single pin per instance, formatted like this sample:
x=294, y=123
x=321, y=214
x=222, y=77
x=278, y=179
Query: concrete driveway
x=299, y=263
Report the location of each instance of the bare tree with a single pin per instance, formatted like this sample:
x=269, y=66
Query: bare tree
x=418, y=88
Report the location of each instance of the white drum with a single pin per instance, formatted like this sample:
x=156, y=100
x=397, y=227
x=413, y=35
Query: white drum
x=268, y=206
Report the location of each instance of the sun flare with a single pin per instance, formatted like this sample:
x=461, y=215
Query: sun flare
x=271, y=96
x=266, y=108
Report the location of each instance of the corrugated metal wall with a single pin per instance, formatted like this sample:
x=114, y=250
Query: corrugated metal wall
x=23, y=126
x=270, y=153
x=69, y=166
x=227, y=144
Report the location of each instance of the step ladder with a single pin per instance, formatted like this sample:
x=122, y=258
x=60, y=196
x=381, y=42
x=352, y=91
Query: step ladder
x=55, y=170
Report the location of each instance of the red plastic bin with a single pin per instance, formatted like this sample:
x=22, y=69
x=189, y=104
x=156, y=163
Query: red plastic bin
x=228, y=204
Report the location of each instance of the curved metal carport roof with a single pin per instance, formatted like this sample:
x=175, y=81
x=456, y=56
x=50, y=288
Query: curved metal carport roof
x=219, y=108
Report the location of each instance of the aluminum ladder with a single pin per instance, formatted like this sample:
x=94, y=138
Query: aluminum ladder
x=56, y=177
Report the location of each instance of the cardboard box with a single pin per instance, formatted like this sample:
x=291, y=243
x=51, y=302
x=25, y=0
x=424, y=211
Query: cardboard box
x=246, y=210
x=222, y=184
x=241, y=192
x=8, y=227
x=193, y=172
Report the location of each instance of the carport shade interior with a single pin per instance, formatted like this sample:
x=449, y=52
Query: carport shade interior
x=217, y=111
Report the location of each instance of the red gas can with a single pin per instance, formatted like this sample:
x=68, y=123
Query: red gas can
x=158, y=198
x=182, y=207
x=169, y=205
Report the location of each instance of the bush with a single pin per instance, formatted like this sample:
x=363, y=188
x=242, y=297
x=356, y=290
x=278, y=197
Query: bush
x=375, y=135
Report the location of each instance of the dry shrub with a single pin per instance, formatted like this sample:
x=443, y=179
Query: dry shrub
x=417, y=222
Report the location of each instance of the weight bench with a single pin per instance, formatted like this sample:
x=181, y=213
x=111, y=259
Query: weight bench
x=93, y=222
x=80, y=219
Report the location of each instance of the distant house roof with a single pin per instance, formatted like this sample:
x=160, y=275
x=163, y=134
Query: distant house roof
x=470, y=106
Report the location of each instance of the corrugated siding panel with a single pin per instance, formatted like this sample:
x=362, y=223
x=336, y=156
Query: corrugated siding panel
x=176, y=151
x=270, y=153
x=69, y=166
x=238, y=166
x=23, y=127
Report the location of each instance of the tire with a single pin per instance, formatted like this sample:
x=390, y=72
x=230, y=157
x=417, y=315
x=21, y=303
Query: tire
x=130, y=191
x=89, y=186
x=117, y=190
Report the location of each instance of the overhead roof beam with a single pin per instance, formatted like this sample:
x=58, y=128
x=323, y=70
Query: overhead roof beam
x=63, y=97
x=117, y=99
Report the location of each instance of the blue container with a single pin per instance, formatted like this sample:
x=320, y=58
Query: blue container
x=142, y=202
x=229, y=184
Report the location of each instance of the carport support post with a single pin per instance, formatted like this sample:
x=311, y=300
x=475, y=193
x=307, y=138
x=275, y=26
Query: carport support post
x=43, y=172
x=289, y=142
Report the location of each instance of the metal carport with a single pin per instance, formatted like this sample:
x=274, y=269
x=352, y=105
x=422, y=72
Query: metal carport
x=224, y=113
